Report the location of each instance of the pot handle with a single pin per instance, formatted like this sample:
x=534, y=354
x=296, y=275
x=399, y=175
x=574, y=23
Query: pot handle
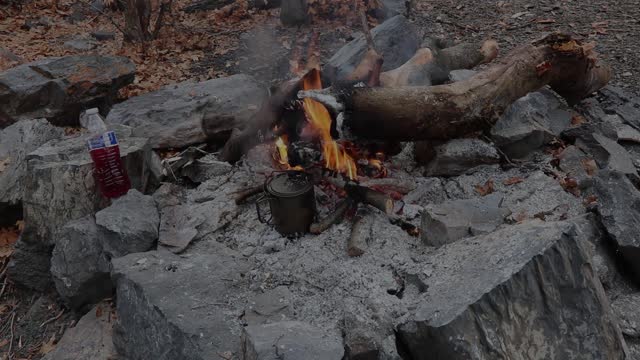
x=263, y=198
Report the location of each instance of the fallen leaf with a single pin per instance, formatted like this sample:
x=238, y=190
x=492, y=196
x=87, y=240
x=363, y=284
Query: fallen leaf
x=485, y=189
x=48, y=346
x=577, y=120
x=513, y=181
x=590, y=200
x=589, y=166
x=98, y=311
x=4, y=163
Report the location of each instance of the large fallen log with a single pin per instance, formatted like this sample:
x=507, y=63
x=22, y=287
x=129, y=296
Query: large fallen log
x=453, y=110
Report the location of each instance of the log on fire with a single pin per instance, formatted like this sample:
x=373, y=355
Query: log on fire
x=444, y=112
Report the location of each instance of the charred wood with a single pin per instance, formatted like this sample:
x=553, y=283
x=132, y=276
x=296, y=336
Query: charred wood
x=334, y=218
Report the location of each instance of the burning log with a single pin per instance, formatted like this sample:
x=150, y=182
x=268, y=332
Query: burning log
x=333, y=218
x=432, y=66
x=448, y=111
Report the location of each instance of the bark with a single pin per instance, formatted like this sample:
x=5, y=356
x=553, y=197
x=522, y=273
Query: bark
x=448, y=111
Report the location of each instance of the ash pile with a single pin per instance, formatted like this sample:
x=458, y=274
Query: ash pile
x=413, y=209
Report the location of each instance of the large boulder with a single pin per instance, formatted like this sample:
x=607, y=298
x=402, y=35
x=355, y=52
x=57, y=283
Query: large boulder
x=58, y=89
x=290, y=340
x=60, y=187
x=188, y=113
x=16, y=142
x=395, y=39
x=172, y=307
x=619, y=210
x=530, y=123
x=90, y=338
x=526, y=291
x=80, y=263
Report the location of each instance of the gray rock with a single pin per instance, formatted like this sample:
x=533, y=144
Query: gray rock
x=576, y=164
x=391, y=8
x=271, y=306
x=80, y=45
x=130, y=224
x=460, y=155
x=80, y=268
x=484, y=297
x=103, y=35
x=429, y=191
x=58, y=89
x=91, y=338
x=362, y=338
x=530, y=123
x=290, y=340
x=172, y=307
x=29, y=265
x=619, y=210
x=189, y=113
x=626, y=308
x=60, y=187
x=461, y=74
x=16, y=141
x=208, y=209
x=294, y=12
x=395, y=39
x=7, y=56
x=454, y=220
x=628, y=133
x=206, y=168
x=610, y=155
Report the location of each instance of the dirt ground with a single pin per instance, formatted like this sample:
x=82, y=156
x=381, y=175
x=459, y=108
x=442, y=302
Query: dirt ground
x=211, y=44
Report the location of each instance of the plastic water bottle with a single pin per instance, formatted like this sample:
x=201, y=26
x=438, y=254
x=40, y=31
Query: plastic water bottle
x=108, y=169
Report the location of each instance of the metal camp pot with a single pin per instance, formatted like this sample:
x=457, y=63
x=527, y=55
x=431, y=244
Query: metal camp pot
x=291, y=201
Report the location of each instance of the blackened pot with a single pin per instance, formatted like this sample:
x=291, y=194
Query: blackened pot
x=291, y=201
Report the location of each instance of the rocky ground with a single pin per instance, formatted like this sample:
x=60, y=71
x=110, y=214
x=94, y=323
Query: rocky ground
x=528, y=244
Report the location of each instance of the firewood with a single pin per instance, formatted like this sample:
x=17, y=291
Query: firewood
x=448, y=111
x=368, y=196
x=358, y=241
x=432, y=66
x=334, y=218
x=242, y=195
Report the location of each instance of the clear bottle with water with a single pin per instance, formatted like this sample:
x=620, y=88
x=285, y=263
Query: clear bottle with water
x=108, y=169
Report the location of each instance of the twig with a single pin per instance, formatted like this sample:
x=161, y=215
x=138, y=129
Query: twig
x=4, y=286
x=365, y=26
x=53, y=318
x=333, y=218
x=244, y=194
x=107, y=16
x=163, y=8
x=13, y=318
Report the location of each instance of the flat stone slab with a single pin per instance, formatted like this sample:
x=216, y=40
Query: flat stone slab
x=188, y=113
x=458, y=156
x=290, y=340
x=171, y=307
x=524, y=288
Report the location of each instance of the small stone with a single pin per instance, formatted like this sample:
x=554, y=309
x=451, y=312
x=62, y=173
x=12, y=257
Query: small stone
x=627, y=74
x=458, y=156
x=80, y=45
x=103, y=35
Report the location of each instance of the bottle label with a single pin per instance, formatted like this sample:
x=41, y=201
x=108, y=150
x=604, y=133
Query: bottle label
x=105, y=140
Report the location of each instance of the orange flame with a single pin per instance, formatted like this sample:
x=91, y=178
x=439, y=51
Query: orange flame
x=282, y=155
x=335, y=157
